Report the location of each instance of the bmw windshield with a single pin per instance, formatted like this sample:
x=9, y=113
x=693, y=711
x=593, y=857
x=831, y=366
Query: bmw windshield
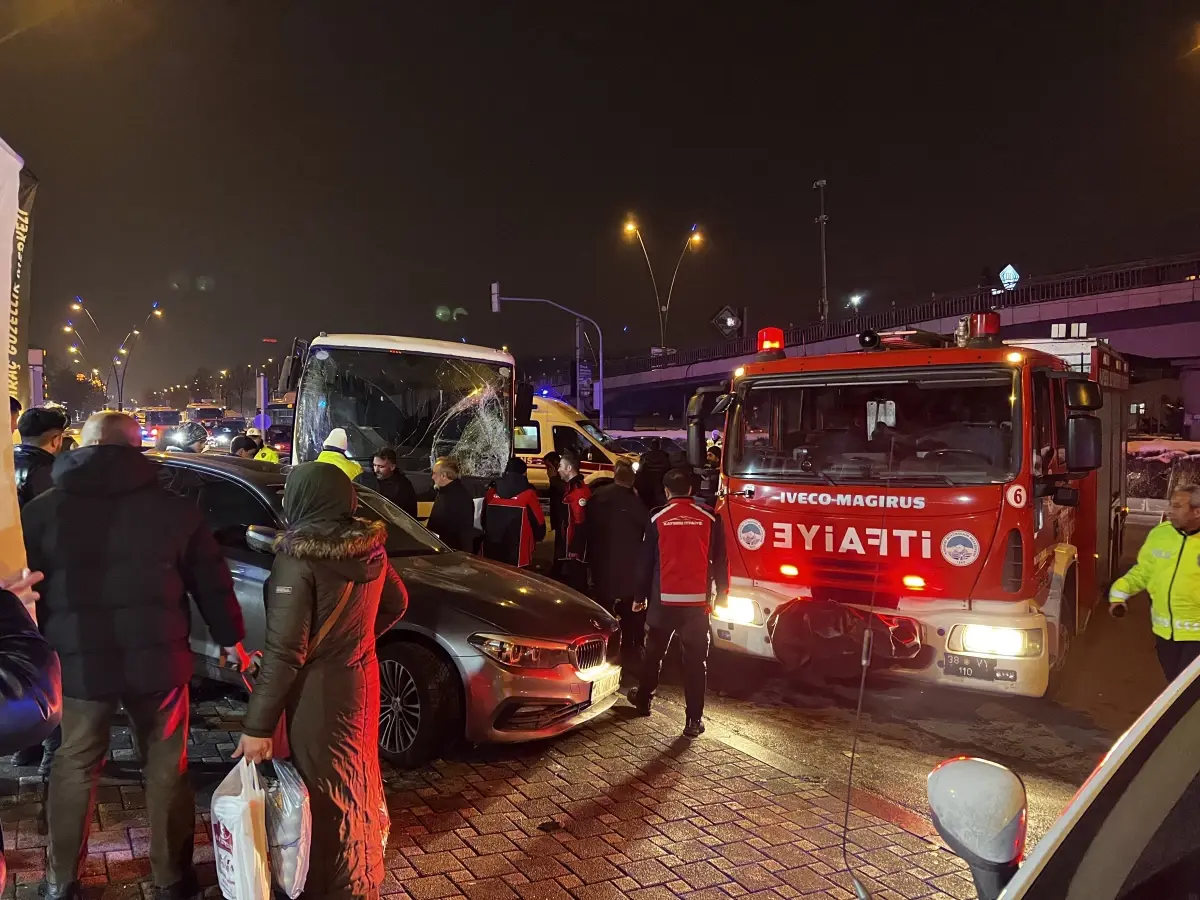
x=423, y=405
x=954, y=426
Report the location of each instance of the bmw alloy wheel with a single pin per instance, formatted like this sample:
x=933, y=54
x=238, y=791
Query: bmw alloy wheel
x=399, y=707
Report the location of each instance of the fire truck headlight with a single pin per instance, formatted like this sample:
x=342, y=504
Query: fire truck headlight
x=996, y=640
x=736, y=610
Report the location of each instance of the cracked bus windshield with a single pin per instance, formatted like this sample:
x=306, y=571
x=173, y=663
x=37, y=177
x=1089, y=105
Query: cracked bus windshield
x=424, y=406
x=950, y=428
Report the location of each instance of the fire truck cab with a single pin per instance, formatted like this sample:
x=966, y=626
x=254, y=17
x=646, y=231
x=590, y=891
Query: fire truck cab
x=952, y=502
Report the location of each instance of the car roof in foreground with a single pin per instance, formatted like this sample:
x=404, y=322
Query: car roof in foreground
x=254, y=471
x=1099, y=779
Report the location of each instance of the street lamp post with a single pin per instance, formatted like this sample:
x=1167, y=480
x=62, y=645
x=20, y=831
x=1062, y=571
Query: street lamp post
x=598, y=384
x=823, y=220
x=663, y=307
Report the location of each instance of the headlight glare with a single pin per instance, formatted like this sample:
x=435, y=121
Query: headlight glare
x=736, y=610
x=996, y=640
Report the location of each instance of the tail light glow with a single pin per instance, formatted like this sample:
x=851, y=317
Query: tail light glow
x=913, y=582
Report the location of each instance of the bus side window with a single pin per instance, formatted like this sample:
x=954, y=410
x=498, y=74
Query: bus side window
x=1043, y=423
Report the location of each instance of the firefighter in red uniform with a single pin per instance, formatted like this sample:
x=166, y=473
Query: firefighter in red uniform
x=682, y=554
x=513, y=523
x=574, y=566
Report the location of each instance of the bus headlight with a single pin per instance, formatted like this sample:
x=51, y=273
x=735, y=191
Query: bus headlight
x=997, y=640
x=736, y=610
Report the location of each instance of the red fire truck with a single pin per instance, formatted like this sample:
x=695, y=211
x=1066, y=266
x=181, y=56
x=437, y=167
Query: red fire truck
x=959, y=497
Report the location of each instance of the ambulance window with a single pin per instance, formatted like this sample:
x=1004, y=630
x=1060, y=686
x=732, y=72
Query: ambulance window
x=527, y=438
x=567, y=438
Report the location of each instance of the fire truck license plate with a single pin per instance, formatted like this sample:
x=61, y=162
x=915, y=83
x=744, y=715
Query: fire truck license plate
x=976, y=667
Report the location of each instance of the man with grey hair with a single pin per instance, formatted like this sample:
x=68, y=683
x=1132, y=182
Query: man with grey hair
x=453, y=515
x=121, y=556
x=1168, y=569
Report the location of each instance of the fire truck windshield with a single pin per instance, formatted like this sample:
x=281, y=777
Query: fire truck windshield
x=959, y=426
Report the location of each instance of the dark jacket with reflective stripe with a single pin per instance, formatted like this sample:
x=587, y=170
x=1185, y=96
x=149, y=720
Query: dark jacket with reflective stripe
x=512, y=521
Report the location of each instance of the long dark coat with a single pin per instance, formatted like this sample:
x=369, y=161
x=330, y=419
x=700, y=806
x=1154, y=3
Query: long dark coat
x=331, y=696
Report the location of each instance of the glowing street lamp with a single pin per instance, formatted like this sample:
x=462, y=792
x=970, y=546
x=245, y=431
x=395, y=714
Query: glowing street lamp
x=663, y=306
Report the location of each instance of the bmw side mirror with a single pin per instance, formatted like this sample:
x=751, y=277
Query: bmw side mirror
x=979, y=810
x=261, y=539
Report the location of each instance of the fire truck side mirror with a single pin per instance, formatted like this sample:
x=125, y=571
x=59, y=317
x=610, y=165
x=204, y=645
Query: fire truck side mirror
x=1083, y=395
x=1085, y=443
x=1066, y=496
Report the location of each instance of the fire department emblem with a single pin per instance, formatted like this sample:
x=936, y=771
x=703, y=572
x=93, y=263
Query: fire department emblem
x=751, y=534
x=960, y=548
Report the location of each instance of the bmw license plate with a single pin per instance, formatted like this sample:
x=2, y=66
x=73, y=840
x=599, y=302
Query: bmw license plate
x=606, y=686
x=977, y=667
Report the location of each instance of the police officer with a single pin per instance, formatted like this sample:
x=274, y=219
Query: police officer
x=575, y=501
x=682, y=554
x=1168, y=568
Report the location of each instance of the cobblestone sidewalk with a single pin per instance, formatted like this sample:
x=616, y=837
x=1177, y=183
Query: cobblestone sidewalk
x=623, y=808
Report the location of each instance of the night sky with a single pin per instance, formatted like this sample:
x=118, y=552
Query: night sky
x=350, y=165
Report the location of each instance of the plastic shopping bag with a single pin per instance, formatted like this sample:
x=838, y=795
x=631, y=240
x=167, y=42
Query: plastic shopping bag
x=240, y=835
x=289, y=828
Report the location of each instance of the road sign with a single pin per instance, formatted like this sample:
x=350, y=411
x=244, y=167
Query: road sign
x=1009, y=277
x=728, y=321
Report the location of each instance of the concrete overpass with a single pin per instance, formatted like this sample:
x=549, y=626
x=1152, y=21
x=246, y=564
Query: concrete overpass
x=1145, y=309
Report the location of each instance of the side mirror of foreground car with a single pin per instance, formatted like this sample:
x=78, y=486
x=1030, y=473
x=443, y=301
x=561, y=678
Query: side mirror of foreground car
x=979, y=810
x=261, y=539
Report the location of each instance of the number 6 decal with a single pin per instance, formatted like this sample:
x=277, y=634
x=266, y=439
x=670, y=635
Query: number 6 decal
x=1016, y=496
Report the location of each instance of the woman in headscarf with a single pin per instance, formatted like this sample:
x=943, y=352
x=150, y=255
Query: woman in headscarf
x=332, y=592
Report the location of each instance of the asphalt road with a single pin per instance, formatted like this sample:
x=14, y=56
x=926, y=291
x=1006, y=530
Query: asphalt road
x=906, y=729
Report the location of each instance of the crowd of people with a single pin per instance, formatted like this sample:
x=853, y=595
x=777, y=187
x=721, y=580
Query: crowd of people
x=101, y=621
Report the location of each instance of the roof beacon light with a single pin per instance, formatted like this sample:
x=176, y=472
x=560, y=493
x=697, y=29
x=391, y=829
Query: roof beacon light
x=770, y=344
x=985, y=329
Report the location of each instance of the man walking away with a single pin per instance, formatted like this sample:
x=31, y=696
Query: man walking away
x=513, y=523
x=453, y=515
x=558, y=490
x=334, y=452
x=121, y=555
x=617, y=521
x=41, y=433
x=683, y=553
x=392, y=483
x=652, y=468
x=575, y=501
x=1168, y=568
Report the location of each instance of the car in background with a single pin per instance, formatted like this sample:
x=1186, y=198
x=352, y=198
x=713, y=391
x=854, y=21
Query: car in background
x=222, y=434
x=156, y=422
x=1132, y=832
x=485, y=653
x=279, y=438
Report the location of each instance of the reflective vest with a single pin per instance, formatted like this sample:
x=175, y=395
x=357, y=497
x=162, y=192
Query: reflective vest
x=267, y=454
x=342, y=461
x=1168, y=568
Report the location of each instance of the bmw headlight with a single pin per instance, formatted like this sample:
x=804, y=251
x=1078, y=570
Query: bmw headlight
x=521, y=652
x=637, y=464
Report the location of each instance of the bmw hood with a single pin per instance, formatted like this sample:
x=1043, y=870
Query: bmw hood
x=508, y=600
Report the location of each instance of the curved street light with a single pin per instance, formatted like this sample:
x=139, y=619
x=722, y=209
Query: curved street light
x=663, y=306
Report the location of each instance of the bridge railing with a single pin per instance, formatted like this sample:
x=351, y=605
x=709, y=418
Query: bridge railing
x=1084, y=283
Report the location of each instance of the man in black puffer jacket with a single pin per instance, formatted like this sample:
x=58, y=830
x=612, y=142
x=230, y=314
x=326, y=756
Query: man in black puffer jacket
x=513, y=523
x=121, y=555
x=41, y=433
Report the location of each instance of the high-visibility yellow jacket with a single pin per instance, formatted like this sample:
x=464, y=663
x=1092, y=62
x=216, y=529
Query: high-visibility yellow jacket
x=1168, y=568
x=267, y=454
x=342, y=461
